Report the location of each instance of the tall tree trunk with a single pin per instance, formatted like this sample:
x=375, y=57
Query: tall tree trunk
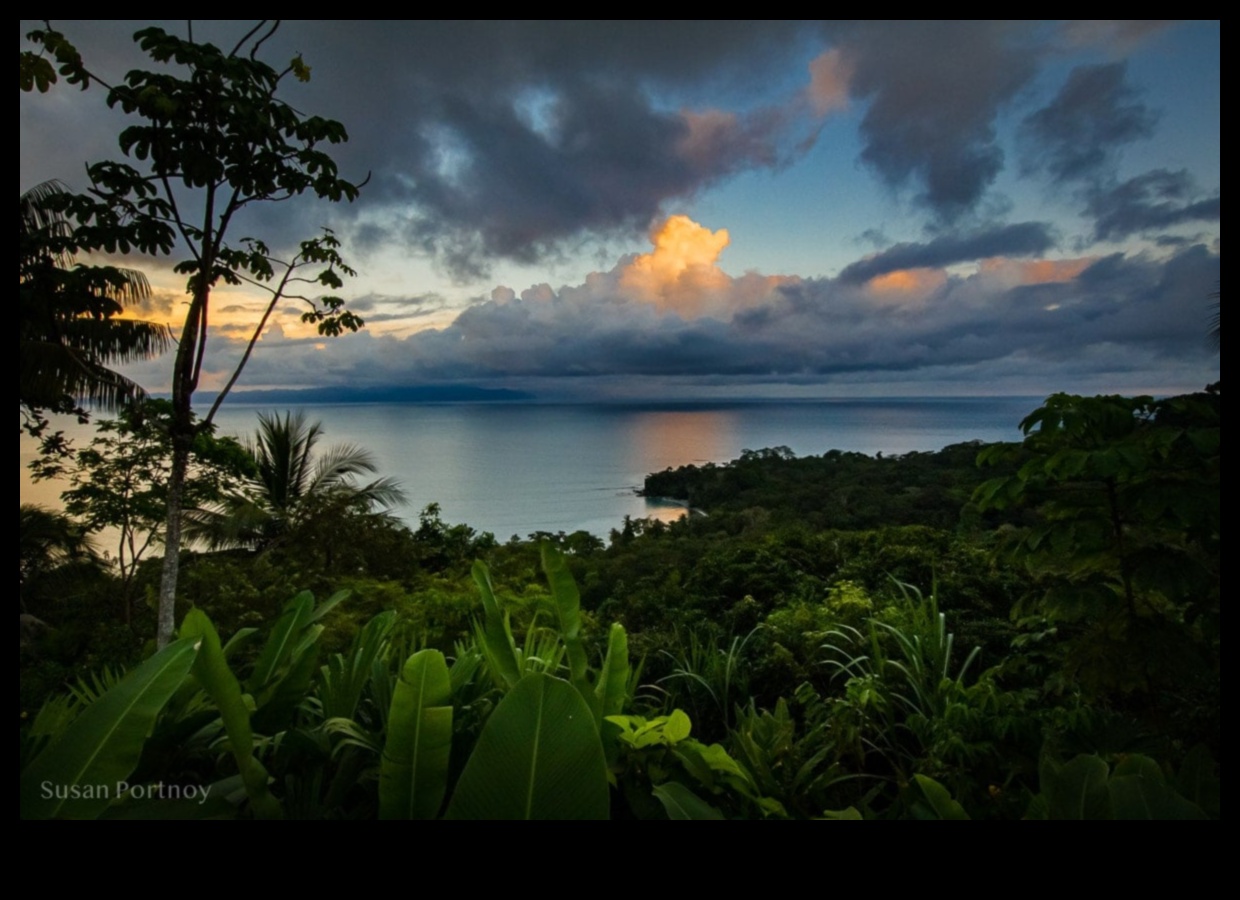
x=184, y=381
x=172, y=543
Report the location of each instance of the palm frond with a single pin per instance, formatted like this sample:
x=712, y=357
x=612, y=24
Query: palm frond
x=294, y=486
x=68, y=331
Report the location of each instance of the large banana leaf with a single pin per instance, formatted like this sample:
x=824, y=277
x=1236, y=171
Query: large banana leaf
x=296, y=615
x=538, y=757
x=77, y=776
x=681, y=803
x=414, y=773
x=613, y=679
x=212, y=672
x=1077, y=789
x=568, y=613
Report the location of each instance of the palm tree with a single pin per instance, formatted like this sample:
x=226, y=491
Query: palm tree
x=52, y=550
x=294, y=490
x=70, y=335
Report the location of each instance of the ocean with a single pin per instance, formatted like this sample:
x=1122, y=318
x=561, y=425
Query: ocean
x=516, y=468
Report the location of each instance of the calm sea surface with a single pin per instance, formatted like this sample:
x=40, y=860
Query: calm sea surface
x=519, y=468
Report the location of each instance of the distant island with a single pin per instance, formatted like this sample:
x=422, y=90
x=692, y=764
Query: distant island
x=460, y=393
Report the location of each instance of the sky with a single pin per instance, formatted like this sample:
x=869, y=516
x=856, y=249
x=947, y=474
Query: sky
x=654, y=210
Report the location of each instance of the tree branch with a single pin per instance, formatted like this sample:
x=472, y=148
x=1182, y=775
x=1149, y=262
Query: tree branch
x=276, y=294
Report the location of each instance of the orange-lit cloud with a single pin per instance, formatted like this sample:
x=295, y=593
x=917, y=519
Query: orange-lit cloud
x=829, y=76
x=680, y=274
x=1035, y=271
x=905, y=287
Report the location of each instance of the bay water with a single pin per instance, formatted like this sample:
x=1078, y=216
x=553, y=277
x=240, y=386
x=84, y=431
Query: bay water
x=516, y=468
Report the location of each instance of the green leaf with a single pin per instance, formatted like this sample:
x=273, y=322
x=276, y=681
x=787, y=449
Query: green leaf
x=1197, y=781
x=496, y=636
x=1077, y=790
x=328, y=605
x=678, y=727
x=280, y=644
x=940, y=800
x=1139, y=791
x=612, y=688
x=682, y=803
x=568, y=610
x=77, y=776
x=850, y=813
x=212, y=672
x=300, y=70
x=414, y=773
x=538, y=757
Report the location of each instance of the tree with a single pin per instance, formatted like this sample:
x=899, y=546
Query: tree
x=119, y=483
x=69, y=330
x=1126, y=545
x=294, y=489
x=211, y=139
x=46, y=541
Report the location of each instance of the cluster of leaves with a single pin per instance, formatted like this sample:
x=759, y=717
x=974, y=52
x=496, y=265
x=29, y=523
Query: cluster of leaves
x=293, y=489
x=120, y=481
x=1125, y=548
x=70, y=330
x=373, y=731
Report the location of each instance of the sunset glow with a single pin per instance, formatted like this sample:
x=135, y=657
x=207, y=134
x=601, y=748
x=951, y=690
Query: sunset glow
x=681, y=272
x=907, y=283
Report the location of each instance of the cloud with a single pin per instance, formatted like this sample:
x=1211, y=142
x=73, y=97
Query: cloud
x=1023, y=239
x=1156, y=200
x=1076, y=136
x=934, y=90
x=487, y=183
x=831, y=73
x=514, y=140
x=1035, y=322
x=1120, y=36
x=681, y=272
x=383, y=308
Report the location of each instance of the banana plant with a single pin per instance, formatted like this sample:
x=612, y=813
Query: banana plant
x=539, y=757
x=414, y=773
x=1136, y=787
x=81, y=771
x=217, y=679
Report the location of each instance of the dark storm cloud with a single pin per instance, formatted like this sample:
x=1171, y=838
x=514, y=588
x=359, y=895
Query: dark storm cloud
x=523, y=140
x=1157, y=200
x=1023, y=239
x=934, y=90
x=509, y=139
x=494, y=139
x=1077, y=134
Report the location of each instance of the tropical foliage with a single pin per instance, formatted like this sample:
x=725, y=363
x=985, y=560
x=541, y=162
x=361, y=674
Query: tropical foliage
x=1063, y=661
x=70, y=329
x=294, y=489
x=119, y=482
x=207, y=133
